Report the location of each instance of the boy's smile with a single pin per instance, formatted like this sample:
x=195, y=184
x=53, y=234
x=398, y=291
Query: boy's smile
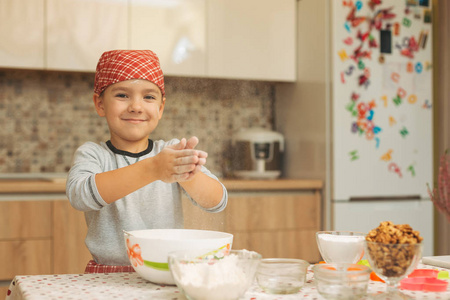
x=132, y=109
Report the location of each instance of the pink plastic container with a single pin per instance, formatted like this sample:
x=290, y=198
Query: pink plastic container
x=424, y=284
x=424, y=273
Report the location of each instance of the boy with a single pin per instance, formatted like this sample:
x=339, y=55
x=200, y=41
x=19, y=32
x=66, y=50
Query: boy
x=131, y=182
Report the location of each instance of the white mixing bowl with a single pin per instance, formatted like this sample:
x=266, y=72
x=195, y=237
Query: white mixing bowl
x=148, y=249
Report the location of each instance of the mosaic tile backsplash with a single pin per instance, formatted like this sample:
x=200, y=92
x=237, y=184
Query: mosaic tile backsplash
x=45, y=116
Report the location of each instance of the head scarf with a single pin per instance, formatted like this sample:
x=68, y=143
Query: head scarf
x=119, y=65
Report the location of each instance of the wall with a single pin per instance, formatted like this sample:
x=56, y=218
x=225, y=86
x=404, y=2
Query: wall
x=301, y=108
x=45, y=116
x=441, y=74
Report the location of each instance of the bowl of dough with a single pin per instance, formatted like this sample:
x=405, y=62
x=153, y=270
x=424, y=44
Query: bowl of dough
x=148, y=250
x=210, y=274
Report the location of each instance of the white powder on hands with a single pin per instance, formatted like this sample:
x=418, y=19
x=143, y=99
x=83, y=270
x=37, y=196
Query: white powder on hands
x=222, y=279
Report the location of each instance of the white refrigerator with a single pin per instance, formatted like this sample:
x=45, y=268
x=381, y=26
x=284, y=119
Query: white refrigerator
x=381, y=115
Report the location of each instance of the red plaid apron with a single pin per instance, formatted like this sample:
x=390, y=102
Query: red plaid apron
x=93, y=267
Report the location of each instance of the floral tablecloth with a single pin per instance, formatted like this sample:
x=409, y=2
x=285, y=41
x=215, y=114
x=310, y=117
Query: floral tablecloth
x=130, y=286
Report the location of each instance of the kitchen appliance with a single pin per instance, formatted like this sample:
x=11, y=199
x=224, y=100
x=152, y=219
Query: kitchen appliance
x=382, y=125
x=257, y=153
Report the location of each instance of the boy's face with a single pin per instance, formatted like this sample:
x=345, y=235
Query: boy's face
x=132, y=109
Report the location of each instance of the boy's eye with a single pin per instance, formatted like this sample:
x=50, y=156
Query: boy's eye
x=149, y=97
x=121, y=95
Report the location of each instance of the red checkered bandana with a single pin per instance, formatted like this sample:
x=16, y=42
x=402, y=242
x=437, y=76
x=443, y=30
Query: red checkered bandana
x=119, y=65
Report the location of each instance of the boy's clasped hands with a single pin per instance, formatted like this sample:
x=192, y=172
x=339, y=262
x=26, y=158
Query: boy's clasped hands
x=180, y=162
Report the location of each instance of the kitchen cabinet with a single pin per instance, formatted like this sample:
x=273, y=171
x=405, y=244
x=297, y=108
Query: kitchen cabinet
x=79, y=31
x=41, y=237
x=70, y=254
x=22, y=34
x=25, y=238
x=176, y=31
x=277, y=218
x=252, y=39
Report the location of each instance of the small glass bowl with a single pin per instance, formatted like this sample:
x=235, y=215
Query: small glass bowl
x=341, y=246
x=281, y=275
x=342, y=281
x=204, y=274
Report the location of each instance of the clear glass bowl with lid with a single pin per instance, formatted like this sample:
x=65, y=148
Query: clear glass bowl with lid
x=341, y=281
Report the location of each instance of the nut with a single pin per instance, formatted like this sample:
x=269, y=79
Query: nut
x=388, y=233
x=392, y=260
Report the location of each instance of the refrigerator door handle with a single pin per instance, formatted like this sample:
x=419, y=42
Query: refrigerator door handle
x=386, y=198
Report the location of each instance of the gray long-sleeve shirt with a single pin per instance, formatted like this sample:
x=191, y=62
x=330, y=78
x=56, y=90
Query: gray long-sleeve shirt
x=156, y=205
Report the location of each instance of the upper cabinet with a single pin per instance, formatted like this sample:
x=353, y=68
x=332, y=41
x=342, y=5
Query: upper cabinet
x=175, y=30
x=22, y=34
x=252, y=39
x=238, y=39
x=79, y=31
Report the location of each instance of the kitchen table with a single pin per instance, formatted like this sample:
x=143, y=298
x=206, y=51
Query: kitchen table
x=132, y=286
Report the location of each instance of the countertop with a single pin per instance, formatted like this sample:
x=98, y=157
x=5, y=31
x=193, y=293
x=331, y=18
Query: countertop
x=37, y=184
x=132, y=286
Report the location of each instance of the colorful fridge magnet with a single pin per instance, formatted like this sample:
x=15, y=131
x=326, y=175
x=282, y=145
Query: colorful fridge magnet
x=385, y=41
x=412, y=99
x=349, y=71
x=348, y=41
x=395, y=77
x=406, y=22
x=412, y=2
x=427, y=104
x=412, y=44
x=417, y=13
x=387, y=156
x=347, y=3
x=419, y=67
x=385, y=100
x=407, y=10
x=355, y=96
x=424, y=3
x=393, y=167
x=401, y=92
x=427, y=16
x=423, y=42
x=363, y=81
x=406, y=52
x=373, y=3
x=396, y=29
x=372, y=42
x=392, y=121
x=343, y=55
x=361, y=65
x=411, y=169
x=397, y=100
x=404, y=132
x=354, y=155
x=347, y=26
x=409, y=67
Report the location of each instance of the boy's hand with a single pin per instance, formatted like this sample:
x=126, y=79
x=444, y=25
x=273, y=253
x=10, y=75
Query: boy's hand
x=190, y=144
x=180, y=162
